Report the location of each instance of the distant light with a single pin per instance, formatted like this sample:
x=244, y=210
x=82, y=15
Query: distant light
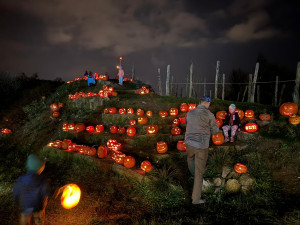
x=120, y=58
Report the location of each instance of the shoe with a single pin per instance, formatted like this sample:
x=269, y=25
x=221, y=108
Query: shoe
x=231, y=139
x=201, y=201
x=226, y=140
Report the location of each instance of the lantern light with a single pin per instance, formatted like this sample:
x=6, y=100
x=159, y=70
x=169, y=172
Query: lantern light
x=70, y=196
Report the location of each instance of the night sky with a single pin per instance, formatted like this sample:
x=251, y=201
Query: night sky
x=63, y=38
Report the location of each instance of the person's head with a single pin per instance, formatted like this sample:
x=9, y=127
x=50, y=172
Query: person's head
x=205, y=101
x=232, y=108
x=35, y=164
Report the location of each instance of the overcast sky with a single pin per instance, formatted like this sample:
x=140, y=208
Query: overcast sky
x=63, y=38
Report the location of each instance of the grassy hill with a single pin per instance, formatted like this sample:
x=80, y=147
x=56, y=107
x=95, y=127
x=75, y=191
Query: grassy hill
x=111, y=196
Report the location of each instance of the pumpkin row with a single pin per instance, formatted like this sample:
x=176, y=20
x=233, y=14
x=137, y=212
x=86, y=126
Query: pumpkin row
x=5, y=131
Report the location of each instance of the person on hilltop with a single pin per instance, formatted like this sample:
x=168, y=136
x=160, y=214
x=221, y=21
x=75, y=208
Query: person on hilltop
x=31, y=192
x=91, y=79
x=231, y=122
x=121, y=75
x=201, y=123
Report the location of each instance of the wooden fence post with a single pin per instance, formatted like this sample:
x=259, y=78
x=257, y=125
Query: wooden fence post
x=159, y=83
x=191, y=80
x=168, y=81
x=216, y=80
x=276, y=92
x=296, y=88
x=244, y=94
x=223, y=87
x=254, y=83
x=249, y=87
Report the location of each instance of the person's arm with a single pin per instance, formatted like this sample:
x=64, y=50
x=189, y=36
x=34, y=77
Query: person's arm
x=238, y=120
x=214, y=129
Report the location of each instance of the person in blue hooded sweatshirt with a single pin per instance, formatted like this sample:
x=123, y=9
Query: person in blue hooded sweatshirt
x=31, y=192
x=91, y=79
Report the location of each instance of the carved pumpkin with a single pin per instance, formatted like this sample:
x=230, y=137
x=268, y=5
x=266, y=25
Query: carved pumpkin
x=173, y=111
x=119, y=158
x=56, y=114
x=219, y=122
x=102, y=151
x=143, y=120
x=71, y=146
x=113, y=129
x=70, y=196
x=182, y=120
x=122, y=111
x=121, y=130
x=57, y=144
x=265, y=117
x=79, y=127
x=241, y=113
x=131, y=131
x=184, y=107
x=99, y=129
x=163, y=114
x=161, y=147
x=5, y=131
x=65, y=126
x=152, y=129
x=146, y=166
x=139, y=112
x=116, y=147
x=294, y=119
x=192, y=106
x=91, y=151
x=218, y=139
x=240, y=168
x=132, y=122
x=103, y=77
x=130, y=111
x=71, y=127
x=90, y=129
x=110, y=143
x=249, y=114
x=54, y=107
x=149, y=113
x=113, y=110
x=288, y=109
x=221, y=115
x=129, y=162
x=176, y=122
x=176, y=131
x=181, y=146
x=251, y=127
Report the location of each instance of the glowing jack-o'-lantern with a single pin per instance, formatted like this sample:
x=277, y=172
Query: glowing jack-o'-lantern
x=294, y=119
x=103, y=77
x=240, y=168
x=90, y=129
x=149, y=113
x=119, y=157
x=161, y=147
x=56, y=114
x=71, y=127
x=218, y=138
x=70, y=196
x=265, y=117
x=132, y=122
x=184, y=107
x=181, y=146
x=99, y=129
x=113, y=110
x=122, y=111
x=102, y=151
x=65, y=126
x=163, y=114
x=221, y=115
x=146, y=166
x=106, y=111
x=288, y=109
x=176, y=122
x=130, y=111
x=131, y=131
x=152, y=129
x=139, y=112
x=129, y=162
x=251, y=127
x=110, y=143
x=54, y=107
x=249, y=114
x=176, y=131
x=117, y=147
x=182, y=120
x=143, y=120
x=219, y=122
x=173, y=112
x=241, y=113
x=192, y=106
x=121, y=130
x=79, y=127
x=91, y=151
x=113, y=129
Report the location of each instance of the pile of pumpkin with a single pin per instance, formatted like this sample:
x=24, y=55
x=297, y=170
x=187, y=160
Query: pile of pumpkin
x=290, y=110
x=97, y=77
x=5, y=131
x=143, y=90
x=56, y=108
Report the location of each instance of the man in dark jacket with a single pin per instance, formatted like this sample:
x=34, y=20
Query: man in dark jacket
x=201, y=123
x=231, y=122
x=31, y=192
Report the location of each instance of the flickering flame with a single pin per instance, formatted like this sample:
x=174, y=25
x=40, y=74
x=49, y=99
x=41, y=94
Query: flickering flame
x=70, y=196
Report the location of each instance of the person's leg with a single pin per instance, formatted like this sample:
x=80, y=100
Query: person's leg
x=25, y=219
x=225, y=129
x=233, y=132
x=191, y=158
x=200, y=164
x=37, y=218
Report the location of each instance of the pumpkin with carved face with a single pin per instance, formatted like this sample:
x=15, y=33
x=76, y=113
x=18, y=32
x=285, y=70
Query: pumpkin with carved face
x=219, y=122
x=173, y=111
x=176, y=131
x=143, y=120
x=161, y=147
x=249, y=114
x=192, y=106
x=251, y=127
x=294, y=119
x=221, y=115
x=184, y=107
x=288, y=109
x=149, y=113
x=218, y=139
x=152, y=129
x=163, y=114
x=139, y=112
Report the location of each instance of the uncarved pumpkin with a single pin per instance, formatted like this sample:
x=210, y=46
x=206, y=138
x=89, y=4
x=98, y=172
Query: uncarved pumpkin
x=265, y=117
x=129, y=162
x=102, y=151
x=146, y=166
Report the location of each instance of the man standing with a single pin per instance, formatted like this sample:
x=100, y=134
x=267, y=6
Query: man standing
x=201, y=123
x=121, y=75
